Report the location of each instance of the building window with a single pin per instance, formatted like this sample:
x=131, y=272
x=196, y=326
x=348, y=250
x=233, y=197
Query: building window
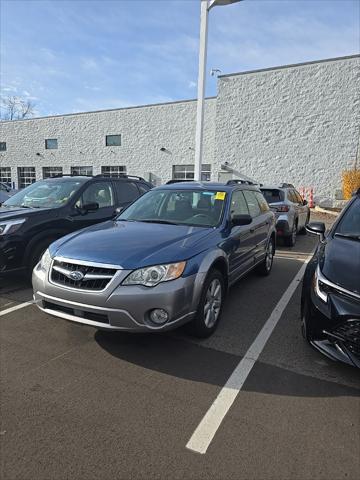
x=51, y=144
x=186, y=172
x=87, y=171
x=49, y=172
x=5, y=175
x=113, y=140
x=2, y=146
x=26, y=176
x=114, y=171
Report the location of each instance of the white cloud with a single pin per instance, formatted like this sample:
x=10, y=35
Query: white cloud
x=192, y=84
x=89, y=63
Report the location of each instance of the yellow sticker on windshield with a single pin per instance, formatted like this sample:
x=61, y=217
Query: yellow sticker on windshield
x=220, y=195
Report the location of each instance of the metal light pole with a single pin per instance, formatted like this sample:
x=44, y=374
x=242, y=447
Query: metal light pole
x=206, y=5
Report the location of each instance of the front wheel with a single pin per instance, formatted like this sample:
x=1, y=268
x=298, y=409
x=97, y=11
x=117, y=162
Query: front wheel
x=210, y=306
x=306, y=321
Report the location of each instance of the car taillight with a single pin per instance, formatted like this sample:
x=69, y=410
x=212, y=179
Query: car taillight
x=282, y=208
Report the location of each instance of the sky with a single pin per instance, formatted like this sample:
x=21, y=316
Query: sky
x=82, y=55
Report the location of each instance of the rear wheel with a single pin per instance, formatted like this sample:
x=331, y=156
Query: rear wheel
x=303, y=230
x=210, y=306
x=291, y=239
x=266, y=265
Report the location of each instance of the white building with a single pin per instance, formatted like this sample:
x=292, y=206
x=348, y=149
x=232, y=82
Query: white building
x=296, y=123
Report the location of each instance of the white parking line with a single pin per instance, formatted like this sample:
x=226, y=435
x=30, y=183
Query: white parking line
x=207, y=428
x=16, y=307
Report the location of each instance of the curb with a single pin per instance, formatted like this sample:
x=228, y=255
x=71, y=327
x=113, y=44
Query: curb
x=329, y=212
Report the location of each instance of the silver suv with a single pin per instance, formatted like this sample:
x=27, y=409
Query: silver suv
x=291, y=210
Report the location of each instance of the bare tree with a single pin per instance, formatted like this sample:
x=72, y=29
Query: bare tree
x=16, y=108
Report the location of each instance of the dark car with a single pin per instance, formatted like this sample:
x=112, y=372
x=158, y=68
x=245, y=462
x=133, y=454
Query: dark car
x=168, y=259
x=330, y=302
x=46, y=210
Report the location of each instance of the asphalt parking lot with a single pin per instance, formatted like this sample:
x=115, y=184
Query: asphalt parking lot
x=77, y=403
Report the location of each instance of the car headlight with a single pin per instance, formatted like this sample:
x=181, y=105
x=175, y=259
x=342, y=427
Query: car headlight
x=10, y=226
x=152, y=276
x=321, y=285
x=45, y=261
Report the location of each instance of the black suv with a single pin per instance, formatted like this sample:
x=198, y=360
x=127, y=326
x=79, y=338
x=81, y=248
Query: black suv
x=49, y=209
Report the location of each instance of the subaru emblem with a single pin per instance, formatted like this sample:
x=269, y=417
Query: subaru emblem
x=76, y=275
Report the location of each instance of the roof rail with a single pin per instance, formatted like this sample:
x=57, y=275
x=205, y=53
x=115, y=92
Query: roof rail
x=178, y=181
x=236, y=181
x=119, y=175
x=59, y=175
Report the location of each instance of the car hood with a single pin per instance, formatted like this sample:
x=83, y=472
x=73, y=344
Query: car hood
x=18, y=212
x=133, y=244
x=340, y=262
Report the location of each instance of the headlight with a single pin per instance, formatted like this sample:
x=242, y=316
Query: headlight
x=45, y=261
x=152, y=276
x=321, y=286
x=10, y=226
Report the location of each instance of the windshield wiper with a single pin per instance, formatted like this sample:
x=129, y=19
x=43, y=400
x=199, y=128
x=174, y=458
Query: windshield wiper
x=348, y=235
x=165, y=222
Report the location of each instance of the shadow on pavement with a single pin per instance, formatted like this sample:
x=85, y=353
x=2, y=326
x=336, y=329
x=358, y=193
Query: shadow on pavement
x=178, y=358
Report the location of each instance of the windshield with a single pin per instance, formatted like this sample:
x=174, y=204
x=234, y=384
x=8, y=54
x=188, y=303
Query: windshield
x=180, y=207
x=350, y=223
x=49, y=194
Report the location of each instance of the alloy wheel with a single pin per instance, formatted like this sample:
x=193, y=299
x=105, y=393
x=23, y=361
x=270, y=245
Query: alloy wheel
x=213, y=302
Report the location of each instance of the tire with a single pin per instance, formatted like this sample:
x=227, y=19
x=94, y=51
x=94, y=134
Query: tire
x=266, y=265
x=291, y=239
x=306, y=321
x=205, y=324
x=303, y=230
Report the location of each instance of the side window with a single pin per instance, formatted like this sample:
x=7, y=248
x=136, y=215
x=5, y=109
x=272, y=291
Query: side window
x=291, y=196
x=143, y=188
x=298, y=197
x=127, y=191
x=99, y=192
x=252, y=203
x=238, y=204
x=264, y=207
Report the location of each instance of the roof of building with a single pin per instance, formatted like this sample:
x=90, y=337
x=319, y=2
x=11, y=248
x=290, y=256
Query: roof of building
x=291, y=65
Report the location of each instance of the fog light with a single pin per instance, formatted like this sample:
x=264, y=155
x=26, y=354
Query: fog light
x=159, y=316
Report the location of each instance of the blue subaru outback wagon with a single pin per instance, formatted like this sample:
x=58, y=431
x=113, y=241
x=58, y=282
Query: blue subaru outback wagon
x=166, y=260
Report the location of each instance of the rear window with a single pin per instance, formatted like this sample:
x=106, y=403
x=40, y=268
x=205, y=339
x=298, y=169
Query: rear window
x=273, y=195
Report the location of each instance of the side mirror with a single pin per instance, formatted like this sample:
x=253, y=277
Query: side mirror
x=317, y=228
x=240, y=220
x=118, y=210
x=90, y=207
x=305, y=202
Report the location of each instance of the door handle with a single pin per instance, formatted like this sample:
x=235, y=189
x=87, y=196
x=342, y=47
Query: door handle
x=252, y=230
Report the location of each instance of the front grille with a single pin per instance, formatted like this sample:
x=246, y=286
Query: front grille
x=93, y=278
x=96, y=317
x=349, y=334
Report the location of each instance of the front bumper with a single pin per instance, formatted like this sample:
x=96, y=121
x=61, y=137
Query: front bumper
x=336, y=327
x=11, y=255
x=118, y=307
